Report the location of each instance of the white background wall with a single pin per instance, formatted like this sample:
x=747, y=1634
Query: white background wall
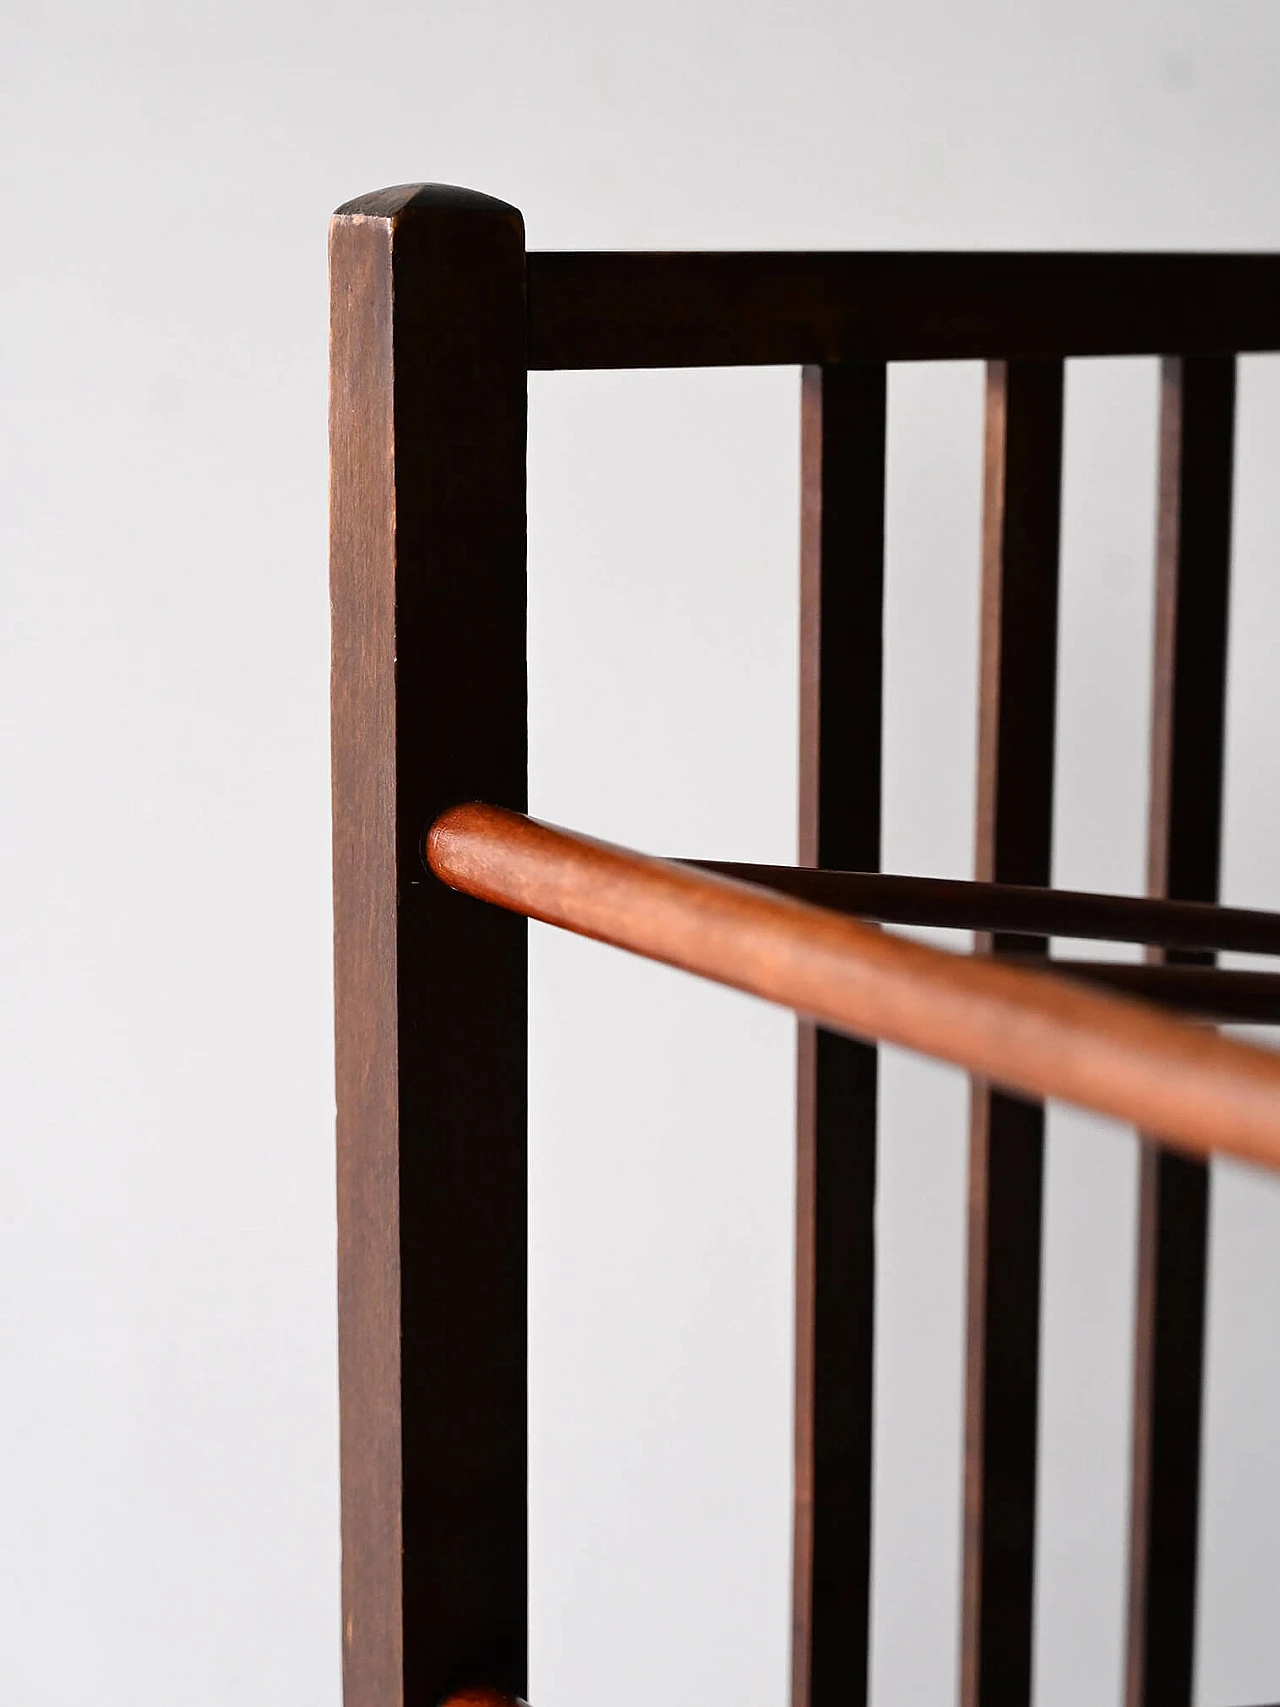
x=168, y=1528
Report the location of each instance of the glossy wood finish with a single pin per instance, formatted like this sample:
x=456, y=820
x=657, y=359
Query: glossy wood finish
x=724, y=310
x=1011, y=908
x=480, y=1697
x=1184, y=842
x=841, y=668
x=1021, y=511
x=1038, y=1034
x=428, y=447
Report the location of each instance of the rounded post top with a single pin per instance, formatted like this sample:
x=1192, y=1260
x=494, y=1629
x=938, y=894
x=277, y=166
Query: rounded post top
x=409, y=198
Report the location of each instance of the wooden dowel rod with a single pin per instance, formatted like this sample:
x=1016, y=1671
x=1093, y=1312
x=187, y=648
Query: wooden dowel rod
x=480, y=1695
x=1017, y=908
x=1225, y=998
x=1035, y=1033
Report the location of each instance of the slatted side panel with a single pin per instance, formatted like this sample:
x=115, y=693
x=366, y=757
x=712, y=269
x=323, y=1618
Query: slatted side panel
x=1184, y=848
x=842, y=581
x=1022, y=503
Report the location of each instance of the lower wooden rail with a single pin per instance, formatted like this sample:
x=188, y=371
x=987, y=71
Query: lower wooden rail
x=1202, y=992
x=1037, y=1033
x=1017, y=908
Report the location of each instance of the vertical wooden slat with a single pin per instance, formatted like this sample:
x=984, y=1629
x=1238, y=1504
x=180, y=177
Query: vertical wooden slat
x=842, y=585
x=1184, y=844
x=428, y=588
x=1022, y=505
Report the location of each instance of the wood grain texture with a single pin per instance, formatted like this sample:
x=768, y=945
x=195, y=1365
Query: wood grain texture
x=841, y=668
x=726, y=310
x=428, y=541
x=1033, y=1031
x=1017, y=695
x=1018, y=909
x=1184, y=845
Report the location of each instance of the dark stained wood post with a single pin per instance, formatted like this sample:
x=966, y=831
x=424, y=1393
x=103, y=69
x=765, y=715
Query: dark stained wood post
x=841, y=620
x=428, y=588
x=1021, y=517
x=1193, y=560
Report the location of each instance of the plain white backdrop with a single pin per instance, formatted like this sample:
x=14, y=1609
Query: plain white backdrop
x=168, y=1485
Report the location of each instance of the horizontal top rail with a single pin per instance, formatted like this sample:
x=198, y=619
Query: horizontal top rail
x=1033, y=1032
x=617, y=310
x=1019, y=909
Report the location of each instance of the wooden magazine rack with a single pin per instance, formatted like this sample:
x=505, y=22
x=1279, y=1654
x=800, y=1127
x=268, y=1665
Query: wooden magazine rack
x=438, y=316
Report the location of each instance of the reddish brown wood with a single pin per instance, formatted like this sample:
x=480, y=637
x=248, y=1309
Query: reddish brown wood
x=427, y=425
x=1021, y=510
x=723, y=310
x=1018, y=909
x=841, y=610
x=1184, y=841
x=1036, y=1033
x=483, y=1698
